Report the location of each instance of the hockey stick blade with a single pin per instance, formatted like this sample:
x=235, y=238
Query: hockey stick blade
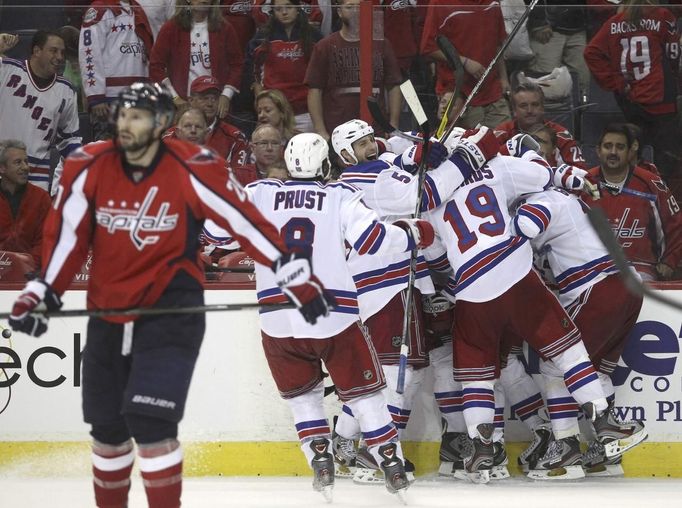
x=385, y=125
x=153, y=311
x=415, y=105
x=603, y=229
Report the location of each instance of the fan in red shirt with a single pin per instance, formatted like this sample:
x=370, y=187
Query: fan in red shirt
x=138, y=203
x=635, y=55
x=528, y=108
x=643, y=213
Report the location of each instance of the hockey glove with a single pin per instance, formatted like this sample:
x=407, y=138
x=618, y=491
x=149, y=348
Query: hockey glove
x=574, y=179
x=295, y=279
x=518, y=145
x=36, y=298
x=420, y=233
x=478, y=146
x=435, y=156
x=438, y=319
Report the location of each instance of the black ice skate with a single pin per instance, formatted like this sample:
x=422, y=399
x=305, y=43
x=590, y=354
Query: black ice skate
x=453, y=447
x=345, y=455
x=500, y=461
x=542, y=436
x=595, y=462
x=616, y=437
x=479, y=462
x=394, y=470
x=562, y=461
x=323, y=468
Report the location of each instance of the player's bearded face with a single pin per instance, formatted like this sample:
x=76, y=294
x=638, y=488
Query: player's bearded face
x=366, y=149
x=135, y=129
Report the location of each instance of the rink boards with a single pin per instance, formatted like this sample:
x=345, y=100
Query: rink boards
x=236, y=424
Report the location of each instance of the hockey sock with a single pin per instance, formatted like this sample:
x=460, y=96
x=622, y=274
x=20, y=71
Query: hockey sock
x=607, y=386
x=522, y=392
x=375, y=421
x=446, y=390
x=479, y=404
x=400, y=406
x=309, y=418
x=498, y=432
x=111, y=467
x=562, y=408
x=347, y=426
x=161, y=469
x=580, y=377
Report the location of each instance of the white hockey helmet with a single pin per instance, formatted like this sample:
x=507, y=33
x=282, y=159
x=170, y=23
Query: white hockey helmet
x=307, y=156
x=453, y=138
x=346, y=134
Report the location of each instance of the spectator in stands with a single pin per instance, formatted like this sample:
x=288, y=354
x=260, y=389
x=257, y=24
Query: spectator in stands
x=115, y=42
x=637, y=150
x=262, y=10
x=23, y=206
x=558, y=35
x=197, y=42
x=528, y=108
x=223, y=137
x=635, y=55
x=191, y=127
x=267, y=145
x=72, y=71
x=278, y=57
x=158, y=12
x=36, y=104
x=643, y=213
x=274, y=109
x=333, y=74
x=476, y=29
x=279, y=170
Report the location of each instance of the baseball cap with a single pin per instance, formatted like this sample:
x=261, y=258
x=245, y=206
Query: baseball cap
x=204, y=84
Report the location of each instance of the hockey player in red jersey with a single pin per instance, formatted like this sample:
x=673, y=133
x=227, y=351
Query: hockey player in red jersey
x=138, y=203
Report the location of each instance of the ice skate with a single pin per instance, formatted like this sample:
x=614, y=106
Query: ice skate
x=542, y=436
x=453, y=446
x=394, y=471
x=479, y=462
x=345, y=455
x=500, y=461
x=562, y=461
x=323, y=468
x=367, y=470
x=595, y=462
x=616, y=437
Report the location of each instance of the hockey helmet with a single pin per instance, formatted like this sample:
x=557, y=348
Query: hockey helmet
x=307, y=156
x=150, y=96
x=348, y=133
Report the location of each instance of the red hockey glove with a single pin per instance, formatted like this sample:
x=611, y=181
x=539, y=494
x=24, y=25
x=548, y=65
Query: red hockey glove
x=478, y=146
x=37, y=297
x=294, y=277
x=420, y=233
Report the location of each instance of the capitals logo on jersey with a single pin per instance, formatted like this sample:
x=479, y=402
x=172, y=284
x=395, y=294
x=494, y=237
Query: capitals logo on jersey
x=137, y=221
x=627, y=230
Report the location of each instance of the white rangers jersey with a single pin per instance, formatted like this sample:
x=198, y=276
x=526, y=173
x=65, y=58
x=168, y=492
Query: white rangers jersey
x=111, y=54
x=392, y=192
x=319, y=219
x=474, y=226
x=40, y=117
x=565, y=238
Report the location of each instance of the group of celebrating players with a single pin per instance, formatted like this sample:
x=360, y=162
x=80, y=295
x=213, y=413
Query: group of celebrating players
x=339, y=254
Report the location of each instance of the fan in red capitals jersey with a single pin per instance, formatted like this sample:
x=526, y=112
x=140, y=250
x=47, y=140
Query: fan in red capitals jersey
x=635, y=55
x=138, y=203
x=643, y=213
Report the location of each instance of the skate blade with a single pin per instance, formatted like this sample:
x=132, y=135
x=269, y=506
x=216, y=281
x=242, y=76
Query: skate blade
x=559, y=473
x=524, y=467
x=604, y=470
x=366, y=476
x=499, y=473
x=402, y=496
x=620, y=446
x=344, y=471
x=446, y=468
x=482, y=476
x=327, y=493
x=460, y=474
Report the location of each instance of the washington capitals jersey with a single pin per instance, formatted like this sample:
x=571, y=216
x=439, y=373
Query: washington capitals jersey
x=143, y=225
x=473, y=225
x=319, y=219
x=40, y=117
x=392, y=192
x=565, y=238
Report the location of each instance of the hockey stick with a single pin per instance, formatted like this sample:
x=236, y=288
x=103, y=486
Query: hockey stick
x=415, y=106
x=633, y=283
x=383, y=122
x=455, y=63
x=487, y=70
x=153, y=311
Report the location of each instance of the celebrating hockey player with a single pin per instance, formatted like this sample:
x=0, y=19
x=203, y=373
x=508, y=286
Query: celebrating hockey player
x=604, y=312
x=393, y=192
x=315, y=218
x=138, y=203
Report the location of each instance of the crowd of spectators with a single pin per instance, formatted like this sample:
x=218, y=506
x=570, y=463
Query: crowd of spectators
x=248, y=75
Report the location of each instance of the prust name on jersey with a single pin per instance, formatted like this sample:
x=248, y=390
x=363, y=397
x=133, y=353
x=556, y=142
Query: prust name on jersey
x=299, y=198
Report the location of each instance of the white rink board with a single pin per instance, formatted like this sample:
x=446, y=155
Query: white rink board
x=233, y=397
